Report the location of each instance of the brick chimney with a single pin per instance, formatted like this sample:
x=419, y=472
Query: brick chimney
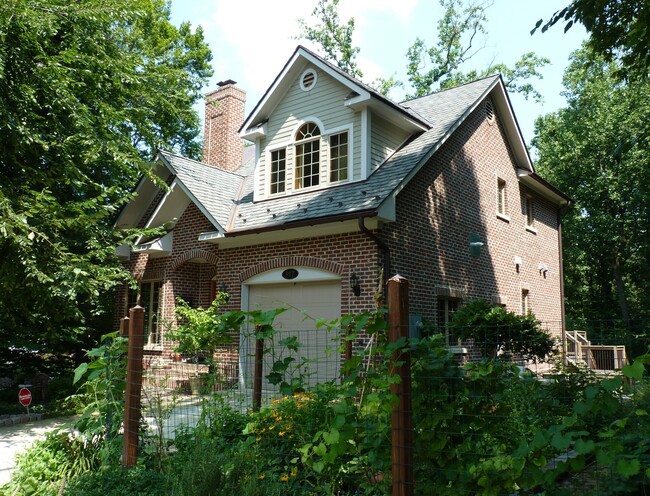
x=224, y=115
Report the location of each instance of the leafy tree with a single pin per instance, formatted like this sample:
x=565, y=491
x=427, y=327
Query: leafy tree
x=597, y=151
x=618, y=30
x=88, y=90
x=441, y=66
x=333, y=37
x=428, y=69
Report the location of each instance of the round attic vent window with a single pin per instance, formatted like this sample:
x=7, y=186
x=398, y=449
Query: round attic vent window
x=308, y=80
x=489, y=112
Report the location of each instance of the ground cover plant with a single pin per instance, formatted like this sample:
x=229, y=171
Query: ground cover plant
x=483, y=428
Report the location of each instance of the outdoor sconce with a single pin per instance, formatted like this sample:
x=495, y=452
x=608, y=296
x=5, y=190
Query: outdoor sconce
x=224, y=289
x=354, y=285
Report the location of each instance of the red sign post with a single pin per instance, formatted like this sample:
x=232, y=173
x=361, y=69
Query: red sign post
x=25, y=397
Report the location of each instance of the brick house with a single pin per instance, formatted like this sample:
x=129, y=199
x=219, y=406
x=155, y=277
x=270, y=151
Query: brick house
x=337, y=185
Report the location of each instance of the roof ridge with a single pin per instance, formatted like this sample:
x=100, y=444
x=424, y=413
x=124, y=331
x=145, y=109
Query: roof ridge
x=491, y=76
x=203, y=164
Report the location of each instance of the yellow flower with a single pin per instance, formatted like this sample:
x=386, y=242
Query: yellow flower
x=262, y=476
x=281, y=433
x=294, y=471
x=284, y=478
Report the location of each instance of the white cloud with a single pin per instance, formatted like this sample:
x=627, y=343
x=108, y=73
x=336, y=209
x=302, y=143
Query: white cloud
x=256, y=46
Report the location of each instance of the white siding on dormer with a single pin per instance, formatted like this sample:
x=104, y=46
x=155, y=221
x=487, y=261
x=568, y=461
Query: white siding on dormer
x=324, y=103
x=385, y=139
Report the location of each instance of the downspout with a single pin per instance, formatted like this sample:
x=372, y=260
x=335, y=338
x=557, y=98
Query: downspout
x=385, y=252
x=562, y=314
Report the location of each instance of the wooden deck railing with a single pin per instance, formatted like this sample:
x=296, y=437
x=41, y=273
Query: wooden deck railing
x=596, y=357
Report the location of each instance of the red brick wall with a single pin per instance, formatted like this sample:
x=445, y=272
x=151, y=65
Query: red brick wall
x=193, y=264
x=454, y=195
x=224, y=115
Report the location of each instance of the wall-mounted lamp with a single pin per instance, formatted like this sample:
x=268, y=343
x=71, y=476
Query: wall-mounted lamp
x=224, y=289
x=354, y=285
x=543, y=269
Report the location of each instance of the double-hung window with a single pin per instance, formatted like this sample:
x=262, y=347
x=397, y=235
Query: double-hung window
x=446, y=308
x=278, y=170
x=338, y=157
x=307, y=156
x=298, y=165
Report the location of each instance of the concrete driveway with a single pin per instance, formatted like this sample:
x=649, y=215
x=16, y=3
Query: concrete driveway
x=15, y=438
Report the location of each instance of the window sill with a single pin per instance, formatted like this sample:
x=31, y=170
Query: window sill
x=154, y=347
x=531, y=229
x=503, y=217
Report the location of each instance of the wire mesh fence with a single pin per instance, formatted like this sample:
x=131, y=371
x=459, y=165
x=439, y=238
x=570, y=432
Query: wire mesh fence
x=478, y=418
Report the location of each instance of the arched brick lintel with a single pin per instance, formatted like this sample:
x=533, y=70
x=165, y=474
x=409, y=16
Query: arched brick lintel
x=209, y=257
x=276, y=263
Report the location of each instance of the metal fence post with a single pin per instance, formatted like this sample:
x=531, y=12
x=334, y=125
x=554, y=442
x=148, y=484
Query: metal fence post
x=132, y=406
x=400, y=363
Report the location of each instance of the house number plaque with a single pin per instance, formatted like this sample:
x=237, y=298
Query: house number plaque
x=290, y=273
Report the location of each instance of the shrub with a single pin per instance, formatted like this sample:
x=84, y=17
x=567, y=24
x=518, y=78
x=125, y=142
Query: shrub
x=138, y=481
x=500, y=331
x=44, y=467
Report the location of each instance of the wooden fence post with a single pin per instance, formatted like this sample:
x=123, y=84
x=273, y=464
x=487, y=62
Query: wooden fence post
x=257, y=373
x=132, y=406
x=400, y=364
x=124, y=327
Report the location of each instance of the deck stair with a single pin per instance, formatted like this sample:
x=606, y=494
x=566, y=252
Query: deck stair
x=580, y=351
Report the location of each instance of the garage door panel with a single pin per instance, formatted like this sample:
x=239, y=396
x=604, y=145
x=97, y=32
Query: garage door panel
x=305, y=303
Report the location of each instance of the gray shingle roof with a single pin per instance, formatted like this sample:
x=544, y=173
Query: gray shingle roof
x=216, y=190
x=222, y=195
x=443, y=110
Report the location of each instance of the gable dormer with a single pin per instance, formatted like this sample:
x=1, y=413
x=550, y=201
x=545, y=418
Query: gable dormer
x=316, y=128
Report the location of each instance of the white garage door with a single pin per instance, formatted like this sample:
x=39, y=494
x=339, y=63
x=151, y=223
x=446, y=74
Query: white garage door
x=306, y=303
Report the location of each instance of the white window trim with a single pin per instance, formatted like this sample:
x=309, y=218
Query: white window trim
x=302, y=77
x=267, y=176
x=530, y=204
x=503, y=215
x=332, y=132
x=324, y=159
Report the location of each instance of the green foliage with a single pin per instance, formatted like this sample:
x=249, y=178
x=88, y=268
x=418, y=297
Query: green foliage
x=597, y=151
x=617, y=30
x=497, y=331
x=88, y=91
x=94, y=440
x=429, y=68
x=138, y=481
x=204, y=330
x=102, y=390
x=334, y=38
x=48, y=463
x=442, y=65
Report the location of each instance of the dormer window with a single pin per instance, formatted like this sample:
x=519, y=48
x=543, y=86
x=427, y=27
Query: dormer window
x=307, y=145
x=278, y=170
x=338, y=157
x=316, y=157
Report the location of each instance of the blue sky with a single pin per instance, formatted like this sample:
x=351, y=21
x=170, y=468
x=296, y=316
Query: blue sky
x=252, y=40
